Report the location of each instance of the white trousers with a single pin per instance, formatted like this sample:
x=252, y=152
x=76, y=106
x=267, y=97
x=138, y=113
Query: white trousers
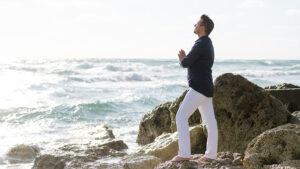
x=190, y=103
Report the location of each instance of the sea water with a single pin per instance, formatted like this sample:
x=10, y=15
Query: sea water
x=54, y=102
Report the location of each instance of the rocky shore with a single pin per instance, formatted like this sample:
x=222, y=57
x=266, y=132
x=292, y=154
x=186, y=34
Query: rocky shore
x=258, y=128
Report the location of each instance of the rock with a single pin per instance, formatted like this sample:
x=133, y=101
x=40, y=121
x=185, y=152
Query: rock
x=163, y=119
x=115, y=144
x=108, y=133
x=154, y=123
x=22, y=153
x=274, y=146
x=289, y=164
x=135, y=161
x=289, y=97
x=103, y=166
x=244, y=110
x=224, y=160
x=98, y=151
x=295, y=118
x=49, y=162
x=102, y=132
x=194, y=119
x=282, y=86
x=165, y=146
x=288, y=94
x=132, y=161
x=110, y=148
x=76, y=148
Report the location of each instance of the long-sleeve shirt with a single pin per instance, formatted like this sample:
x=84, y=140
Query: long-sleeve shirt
x=199, y=62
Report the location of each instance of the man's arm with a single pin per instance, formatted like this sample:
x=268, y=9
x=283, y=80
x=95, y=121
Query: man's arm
x=193, y=55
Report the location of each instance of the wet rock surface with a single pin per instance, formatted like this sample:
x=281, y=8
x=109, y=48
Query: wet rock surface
x=22, y=153
x=84, y=155
x=49, y=162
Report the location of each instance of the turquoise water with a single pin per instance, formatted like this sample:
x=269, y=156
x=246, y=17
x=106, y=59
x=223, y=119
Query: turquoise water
x=50, y=103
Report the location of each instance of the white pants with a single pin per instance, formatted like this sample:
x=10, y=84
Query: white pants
x=190, y=103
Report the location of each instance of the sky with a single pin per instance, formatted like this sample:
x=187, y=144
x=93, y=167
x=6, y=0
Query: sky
x=244, y=29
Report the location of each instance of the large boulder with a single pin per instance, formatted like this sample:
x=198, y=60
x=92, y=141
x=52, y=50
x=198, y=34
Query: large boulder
x=154, y=123
x=289, y=97
x=274, y=146
x=163, y=119
x=288, y=94
x=165, y=146
x=244, y=110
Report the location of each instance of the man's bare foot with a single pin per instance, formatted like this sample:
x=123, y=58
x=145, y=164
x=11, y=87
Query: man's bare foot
x=205, y=159
x=177, y=158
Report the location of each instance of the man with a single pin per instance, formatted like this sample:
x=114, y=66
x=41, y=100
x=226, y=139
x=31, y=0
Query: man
x=199, y=62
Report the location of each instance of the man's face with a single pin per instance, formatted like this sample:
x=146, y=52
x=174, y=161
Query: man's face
x=198, y=27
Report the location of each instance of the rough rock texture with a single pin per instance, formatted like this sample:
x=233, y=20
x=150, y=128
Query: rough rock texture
x=289, y=164
x=162, y=119
x=165, y=146
x=295, y=118
x=194, y=119
x=289, y=97
x=135, y=161
x=274, y=146
x=154, y=123
x=22, y=153
x=115, y=144
x=225, y=160
x=288, y=94
x=98, y=151
x=243, y=111
x=49, y=162
x=132, y=161
x=111, y=148
x=282, y=86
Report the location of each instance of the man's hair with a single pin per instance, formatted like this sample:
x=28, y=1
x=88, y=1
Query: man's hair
x=207, y=23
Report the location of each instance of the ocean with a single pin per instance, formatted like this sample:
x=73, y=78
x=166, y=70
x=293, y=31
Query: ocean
x=50, y=103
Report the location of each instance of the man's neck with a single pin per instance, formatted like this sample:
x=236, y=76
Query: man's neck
x=201, y=35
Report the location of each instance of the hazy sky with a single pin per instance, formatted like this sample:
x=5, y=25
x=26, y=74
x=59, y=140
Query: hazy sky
x=244, y=29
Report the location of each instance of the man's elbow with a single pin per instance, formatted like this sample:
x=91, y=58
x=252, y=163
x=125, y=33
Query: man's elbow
x=184, y=64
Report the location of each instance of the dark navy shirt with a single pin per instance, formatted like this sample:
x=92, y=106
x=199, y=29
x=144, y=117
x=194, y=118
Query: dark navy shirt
x=199, y=62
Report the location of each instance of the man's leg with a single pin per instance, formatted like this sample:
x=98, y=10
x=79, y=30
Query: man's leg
x=188, y=106
x=208, y=118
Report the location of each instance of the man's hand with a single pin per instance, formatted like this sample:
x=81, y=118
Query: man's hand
x=181, y=55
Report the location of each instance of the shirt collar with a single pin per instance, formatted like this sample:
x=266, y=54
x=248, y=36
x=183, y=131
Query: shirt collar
x=202, y=37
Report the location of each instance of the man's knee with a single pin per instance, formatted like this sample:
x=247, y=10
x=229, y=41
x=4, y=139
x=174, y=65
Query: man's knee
x=180, y=115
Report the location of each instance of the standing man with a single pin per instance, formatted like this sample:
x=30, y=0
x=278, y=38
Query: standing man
x=199, y=62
